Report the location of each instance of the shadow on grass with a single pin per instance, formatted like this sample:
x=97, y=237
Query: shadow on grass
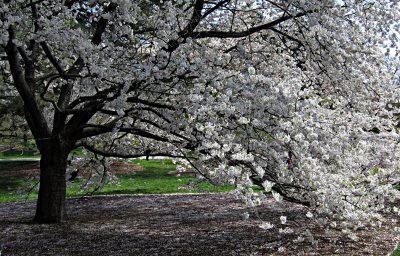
x=8, y=184
x=5, y=166
x=12, y=189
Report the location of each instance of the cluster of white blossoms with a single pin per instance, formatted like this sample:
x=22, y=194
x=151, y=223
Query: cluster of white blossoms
x=295, y=96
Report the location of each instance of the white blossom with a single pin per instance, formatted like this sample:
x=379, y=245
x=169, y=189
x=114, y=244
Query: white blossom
x=266, y=225
x=277, y=196
x=251, y=70
x=312, y=115
x=309, y=215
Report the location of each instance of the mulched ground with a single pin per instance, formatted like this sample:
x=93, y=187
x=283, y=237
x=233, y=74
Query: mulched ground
x=202, y=224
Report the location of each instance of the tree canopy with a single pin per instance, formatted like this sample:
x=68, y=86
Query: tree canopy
x=297, y=97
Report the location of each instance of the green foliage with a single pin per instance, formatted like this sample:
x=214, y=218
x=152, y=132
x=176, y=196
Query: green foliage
x=375, y=171
x=264, y=134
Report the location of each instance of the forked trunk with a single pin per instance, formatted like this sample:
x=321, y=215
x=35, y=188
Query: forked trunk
x=50, y=206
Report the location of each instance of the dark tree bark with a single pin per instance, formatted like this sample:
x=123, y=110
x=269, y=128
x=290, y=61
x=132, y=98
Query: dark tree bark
x=52, y=191
x=54, y=150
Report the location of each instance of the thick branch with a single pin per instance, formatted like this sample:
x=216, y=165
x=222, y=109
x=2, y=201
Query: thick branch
x=244, y=33
x=80, y=119
x=51, y=58
x=66, y=89
x=33, y=112
x=125, y=155
x=100, y=95
x=102, y=24
x=196, y=18
x=211, y=10
x=193, y=23
x=95, y=130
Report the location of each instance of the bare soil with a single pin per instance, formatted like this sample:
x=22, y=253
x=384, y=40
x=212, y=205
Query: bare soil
x=195, y=224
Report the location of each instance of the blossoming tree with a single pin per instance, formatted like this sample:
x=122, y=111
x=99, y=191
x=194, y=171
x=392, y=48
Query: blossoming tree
x=293, y=96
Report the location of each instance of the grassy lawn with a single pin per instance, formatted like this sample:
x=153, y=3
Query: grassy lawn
x=396, y=252
x=154, y=179
x=18, y=154
x=10, y=189
x=6, y=157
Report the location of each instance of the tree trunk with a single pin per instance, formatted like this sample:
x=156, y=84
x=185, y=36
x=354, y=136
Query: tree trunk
x=50, y=206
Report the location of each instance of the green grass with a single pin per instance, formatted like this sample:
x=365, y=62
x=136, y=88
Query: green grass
x=13, y=188
x=26, y=153
x=396, y=252
x=19, y=156
x=154, y=179
x=9, y=187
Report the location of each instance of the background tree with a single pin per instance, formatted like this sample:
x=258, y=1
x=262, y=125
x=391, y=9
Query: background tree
x=281, y=94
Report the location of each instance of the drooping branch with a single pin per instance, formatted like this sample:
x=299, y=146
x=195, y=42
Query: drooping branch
x=250, y=31
x=138, y=117
x=195, y=20
x=154, y=124
x=127, y=155
x=277, y=187
x=91, y=130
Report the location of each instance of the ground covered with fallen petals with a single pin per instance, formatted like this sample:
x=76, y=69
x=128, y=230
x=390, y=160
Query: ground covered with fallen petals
x=196, y=224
